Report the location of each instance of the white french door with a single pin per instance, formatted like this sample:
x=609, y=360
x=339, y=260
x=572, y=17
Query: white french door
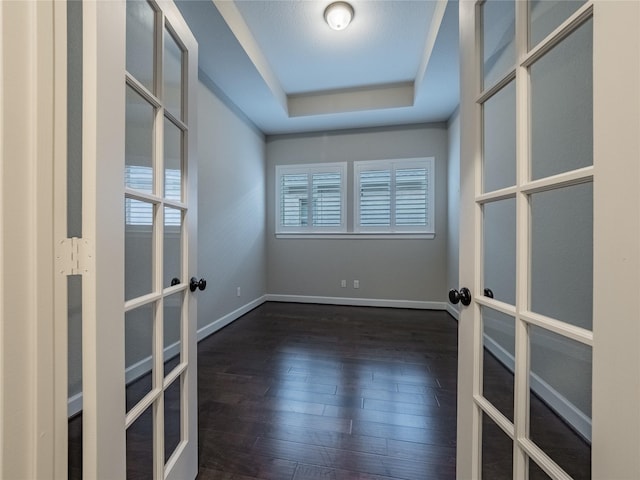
x=139, y=209
x=550, y=235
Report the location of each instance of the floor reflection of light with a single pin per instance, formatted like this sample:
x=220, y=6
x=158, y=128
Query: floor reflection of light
x=295, y=404
x=305, y=362
x=422, y=417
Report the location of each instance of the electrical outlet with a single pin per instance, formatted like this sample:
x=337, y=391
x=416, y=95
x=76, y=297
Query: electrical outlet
x=343, y=283
x=356, y=284
x=238, y=292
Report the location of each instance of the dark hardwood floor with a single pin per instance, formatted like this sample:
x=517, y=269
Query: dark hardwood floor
x=320, y=392
x=310, y=392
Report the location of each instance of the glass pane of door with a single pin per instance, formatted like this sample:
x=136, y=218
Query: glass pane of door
x=560, y=400
x=140, y=447
x=172, y=75
x=141, y=22
x=498, y=39
x=172, y=417
x=497, y=451
x=173, y=147
x=172, y=247
x=138, y=247
x=499, y=139
x=499, y=244
x=562, y=106
x=498, y=339
x=535, y=472
x=172, y=331
x=139, y=143
x=562, y=254
x=138, y=339
x=547, y=15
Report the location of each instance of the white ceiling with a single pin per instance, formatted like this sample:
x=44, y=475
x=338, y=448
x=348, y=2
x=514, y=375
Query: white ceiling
x=280, y=64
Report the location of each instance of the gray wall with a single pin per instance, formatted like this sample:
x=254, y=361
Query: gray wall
x=453, y=203
x=231, y=207
x=387, y=269
x=74, y=189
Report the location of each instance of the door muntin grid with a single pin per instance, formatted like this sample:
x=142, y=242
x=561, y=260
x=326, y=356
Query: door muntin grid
x=155, y=183
x=527, y=184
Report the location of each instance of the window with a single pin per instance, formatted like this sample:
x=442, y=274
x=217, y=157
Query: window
x=394, y=196
x=389, y=197
x=311, y=198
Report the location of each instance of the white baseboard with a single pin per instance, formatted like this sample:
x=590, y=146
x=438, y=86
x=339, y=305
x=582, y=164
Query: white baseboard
x=135, y=371
x=74, y=403
x=453, y=311
x=143, y=367
x=563, y=407
x=357, y=302
x=222, y=322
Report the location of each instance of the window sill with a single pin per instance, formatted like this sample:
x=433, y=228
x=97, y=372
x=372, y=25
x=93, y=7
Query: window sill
x=358, y=236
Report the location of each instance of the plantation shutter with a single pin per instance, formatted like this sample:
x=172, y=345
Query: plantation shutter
x=394, y=196
x=172, y=180
x=411, y=196
x=294, y=200
x=310, y=199
x=375, y=198
x=327, y=199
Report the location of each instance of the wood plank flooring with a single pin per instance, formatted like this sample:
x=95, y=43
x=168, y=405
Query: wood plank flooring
x=310, y=392
x=320, y=392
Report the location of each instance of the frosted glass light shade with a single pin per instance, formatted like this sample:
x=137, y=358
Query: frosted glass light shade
x=338, y=15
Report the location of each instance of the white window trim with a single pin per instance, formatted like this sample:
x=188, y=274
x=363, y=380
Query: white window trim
x=310, y=169
x=393, y=230
x=359, y=236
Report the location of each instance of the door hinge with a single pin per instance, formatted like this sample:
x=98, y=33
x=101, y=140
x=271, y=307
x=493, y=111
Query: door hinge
x=72, y=255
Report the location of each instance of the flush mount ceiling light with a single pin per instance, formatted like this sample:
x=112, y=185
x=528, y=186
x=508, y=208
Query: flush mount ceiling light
x=338, y=15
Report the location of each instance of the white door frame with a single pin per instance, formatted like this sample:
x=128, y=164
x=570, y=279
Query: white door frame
x=33, y=145
x=616, y=322
x=102, y=219
x=468, y=414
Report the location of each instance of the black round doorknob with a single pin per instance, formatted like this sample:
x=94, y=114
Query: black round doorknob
x=463, y=296
x=195, y=283
x=175, y=281
x=488, y=292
